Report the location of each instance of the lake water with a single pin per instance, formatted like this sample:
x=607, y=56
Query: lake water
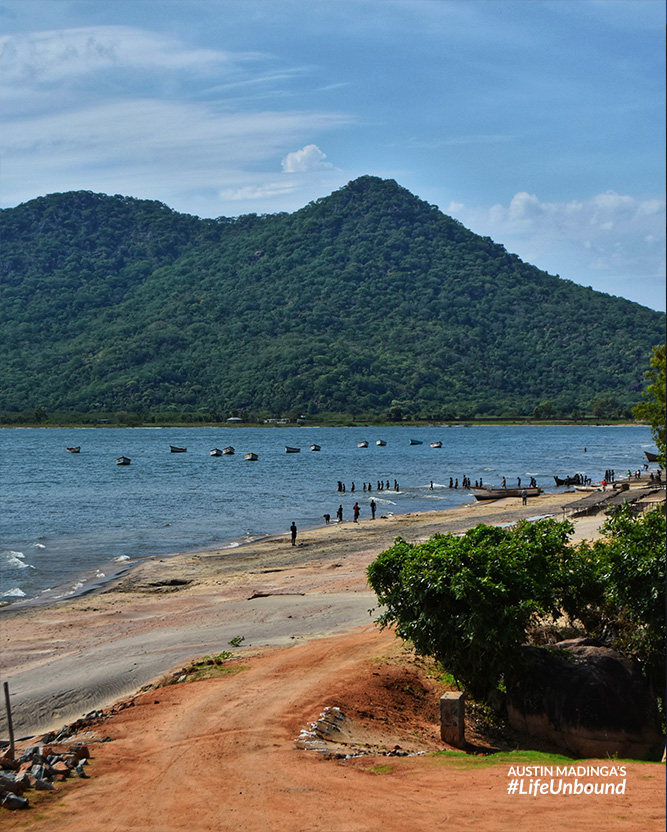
x=71, y=520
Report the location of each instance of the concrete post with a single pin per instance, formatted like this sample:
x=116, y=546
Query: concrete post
x=452, y=718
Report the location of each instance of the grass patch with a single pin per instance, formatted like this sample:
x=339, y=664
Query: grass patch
x=462, y=760
x=381, y=768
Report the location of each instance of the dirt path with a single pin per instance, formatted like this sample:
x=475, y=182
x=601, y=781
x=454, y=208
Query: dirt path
x=219, y=754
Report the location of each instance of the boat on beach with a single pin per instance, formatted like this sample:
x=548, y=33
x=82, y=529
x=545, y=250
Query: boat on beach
x=436, y=444
x=575, y=480
x=228, y=451
x=250, y=457
x=176, y=450
x=75, y=450
x=363, y=444
x=290, y=450
x=315, y=447
x=123, y=460
x=500, y=493
x=216, y=452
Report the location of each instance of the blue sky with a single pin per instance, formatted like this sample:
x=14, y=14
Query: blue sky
x=540, y=123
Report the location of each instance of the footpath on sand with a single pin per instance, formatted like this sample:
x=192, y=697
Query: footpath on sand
x=219, y=754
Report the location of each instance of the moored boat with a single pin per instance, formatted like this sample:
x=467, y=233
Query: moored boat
x=650, y=457
x=416, y=442
x=575, y=480
x=290, y=450
x=216, y=452
x=315, y=447
x=436, y=444
x=75, y=450
x=123, y=460
x=250, y=457
x=228, y=450
x=176, y=450
x=380, y=443
x=499, y=493
x=363, y=444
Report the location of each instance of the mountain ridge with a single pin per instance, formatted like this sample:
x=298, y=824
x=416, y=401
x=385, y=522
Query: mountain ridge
x=361, y=301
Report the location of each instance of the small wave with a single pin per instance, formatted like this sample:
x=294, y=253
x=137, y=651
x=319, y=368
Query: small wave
x=99, y=574
x=39, y=546
x=232, y=545
x=14, y=593
x=121, y=559
x=15, y=559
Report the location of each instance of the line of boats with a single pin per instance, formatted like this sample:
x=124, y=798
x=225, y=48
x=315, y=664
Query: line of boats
x=381, y=443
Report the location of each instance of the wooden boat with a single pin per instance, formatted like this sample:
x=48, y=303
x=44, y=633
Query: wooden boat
x=416, y=442
x=649, y=456
x=380, y=443
x=123, y=460
x=250, y=457
x=363, y=444
x=499, y=493
x=289, y=450
x=74, y=450
x=216, y=452
x=315, y=447
x=176, y=450
x=436, y=444
x=575, y=480
x=228, y=450
x=588, y=488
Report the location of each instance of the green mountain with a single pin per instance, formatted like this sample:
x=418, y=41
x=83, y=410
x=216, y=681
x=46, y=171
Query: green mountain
x=362, y=301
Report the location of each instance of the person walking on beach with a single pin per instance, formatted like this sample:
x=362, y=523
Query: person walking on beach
x=339, y=514
x=356, y=511
x=373, y=507
x=292, y=528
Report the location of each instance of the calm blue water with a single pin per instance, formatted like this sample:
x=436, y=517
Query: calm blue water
x=71, y=519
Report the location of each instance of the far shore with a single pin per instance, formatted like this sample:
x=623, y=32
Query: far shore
x=68, y=658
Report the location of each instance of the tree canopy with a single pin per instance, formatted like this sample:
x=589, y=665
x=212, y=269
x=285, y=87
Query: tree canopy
x=652, y=410
x=363, y=301
x=470, y=600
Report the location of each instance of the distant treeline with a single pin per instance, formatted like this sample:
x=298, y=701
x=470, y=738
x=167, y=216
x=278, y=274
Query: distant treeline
x=366, y=304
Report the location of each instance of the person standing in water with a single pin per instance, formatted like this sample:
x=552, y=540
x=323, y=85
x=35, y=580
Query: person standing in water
x=373, y=507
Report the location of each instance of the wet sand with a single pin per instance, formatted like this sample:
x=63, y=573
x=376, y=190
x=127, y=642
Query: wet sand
x=66, y=659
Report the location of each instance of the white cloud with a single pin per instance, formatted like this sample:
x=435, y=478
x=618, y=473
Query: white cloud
x=47, y=57
x=609, y=241
x=309, y=158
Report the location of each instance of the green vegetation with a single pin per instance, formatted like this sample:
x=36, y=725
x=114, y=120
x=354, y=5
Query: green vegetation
x=652, y=410
x=469, y=601
x=369, y=302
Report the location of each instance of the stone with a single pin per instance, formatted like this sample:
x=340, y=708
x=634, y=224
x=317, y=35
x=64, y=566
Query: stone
x=43, y=785
x=588, y=700
x=452, y=718
x=9, y=783
x=13, y=801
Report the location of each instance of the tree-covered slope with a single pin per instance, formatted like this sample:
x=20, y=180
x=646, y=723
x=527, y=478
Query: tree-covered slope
x=362, y=300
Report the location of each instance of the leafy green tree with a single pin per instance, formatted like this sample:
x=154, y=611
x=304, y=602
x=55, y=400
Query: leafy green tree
x=468, y=601
x=653, y=409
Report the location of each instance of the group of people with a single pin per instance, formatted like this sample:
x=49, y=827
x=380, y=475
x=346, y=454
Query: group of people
x=382, y=485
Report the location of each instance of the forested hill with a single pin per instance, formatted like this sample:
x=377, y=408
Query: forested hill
x=362, y=301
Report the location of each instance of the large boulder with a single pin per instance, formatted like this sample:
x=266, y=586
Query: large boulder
x=587, y=699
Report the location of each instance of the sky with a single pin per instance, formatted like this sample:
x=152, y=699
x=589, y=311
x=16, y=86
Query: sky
x=539, y=123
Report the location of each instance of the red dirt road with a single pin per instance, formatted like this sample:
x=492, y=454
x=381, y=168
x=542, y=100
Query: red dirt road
x=219, y=755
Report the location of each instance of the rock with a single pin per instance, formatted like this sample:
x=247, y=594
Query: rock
x=9, y=783
x=43, y=785
x=589, y=700
x=13, y=801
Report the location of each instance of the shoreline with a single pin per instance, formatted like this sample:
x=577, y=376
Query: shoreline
x=70, y=657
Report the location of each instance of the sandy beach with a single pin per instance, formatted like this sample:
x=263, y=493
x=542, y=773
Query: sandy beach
x=67, y=659
x=222, y=753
